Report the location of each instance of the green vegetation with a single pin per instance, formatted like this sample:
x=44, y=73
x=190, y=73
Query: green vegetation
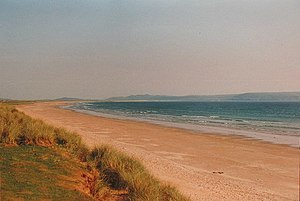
x=112, y=175
x=123, y=172
x=39, y=173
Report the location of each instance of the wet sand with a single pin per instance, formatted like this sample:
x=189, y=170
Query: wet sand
x=201, y=165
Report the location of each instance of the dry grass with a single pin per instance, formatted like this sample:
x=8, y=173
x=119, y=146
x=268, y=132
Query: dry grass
x=115, y=170
x=120, y=171
x=20, y=129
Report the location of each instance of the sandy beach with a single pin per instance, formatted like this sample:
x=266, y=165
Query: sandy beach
x=202, y=166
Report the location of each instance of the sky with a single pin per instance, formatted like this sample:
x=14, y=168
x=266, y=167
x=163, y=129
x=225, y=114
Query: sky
x=99, y=49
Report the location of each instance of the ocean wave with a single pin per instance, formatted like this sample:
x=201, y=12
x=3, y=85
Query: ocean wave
x=214, y=117
x=203, y=115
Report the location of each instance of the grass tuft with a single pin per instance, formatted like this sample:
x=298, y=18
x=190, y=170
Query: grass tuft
x=121, y=171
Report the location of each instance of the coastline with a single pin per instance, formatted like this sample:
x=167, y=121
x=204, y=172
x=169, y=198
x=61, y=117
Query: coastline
x=291, y=140
x=206, y=166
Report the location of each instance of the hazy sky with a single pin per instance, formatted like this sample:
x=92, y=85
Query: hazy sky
x=98, y=49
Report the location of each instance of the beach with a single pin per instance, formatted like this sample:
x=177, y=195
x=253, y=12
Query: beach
x=203, y=166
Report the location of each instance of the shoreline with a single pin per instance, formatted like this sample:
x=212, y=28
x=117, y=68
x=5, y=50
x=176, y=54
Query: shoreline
x=280, y=139
x=206, y=166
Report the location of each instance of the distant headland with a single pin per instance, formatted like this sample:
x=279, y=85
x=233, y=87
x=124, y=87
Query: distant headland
x=251, y=97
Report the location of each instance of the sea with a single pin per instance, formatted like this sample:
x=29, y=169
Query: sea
x=277, y=122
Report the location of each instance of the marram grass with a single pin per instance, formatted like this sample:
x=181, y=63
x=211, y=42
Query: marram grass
x=115, y=170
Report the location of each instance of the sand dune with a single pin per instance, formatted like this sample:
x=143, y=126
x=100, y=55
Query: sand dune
x=202, y=166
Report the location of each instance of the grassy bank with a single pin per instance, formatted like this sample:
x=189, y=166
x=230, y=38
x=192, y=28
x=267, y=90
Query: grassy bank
x=39, y=173
x=112, y=171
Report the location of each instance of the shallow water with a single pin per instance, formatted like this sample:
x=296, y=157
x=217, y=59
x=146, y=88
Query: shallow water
x=246, y=118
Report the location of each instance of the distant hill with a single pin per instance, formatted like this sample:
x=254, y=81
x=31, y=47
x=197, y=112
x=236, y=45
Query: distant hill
x=68, y=99
x=245, y=97
x=4, y=99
